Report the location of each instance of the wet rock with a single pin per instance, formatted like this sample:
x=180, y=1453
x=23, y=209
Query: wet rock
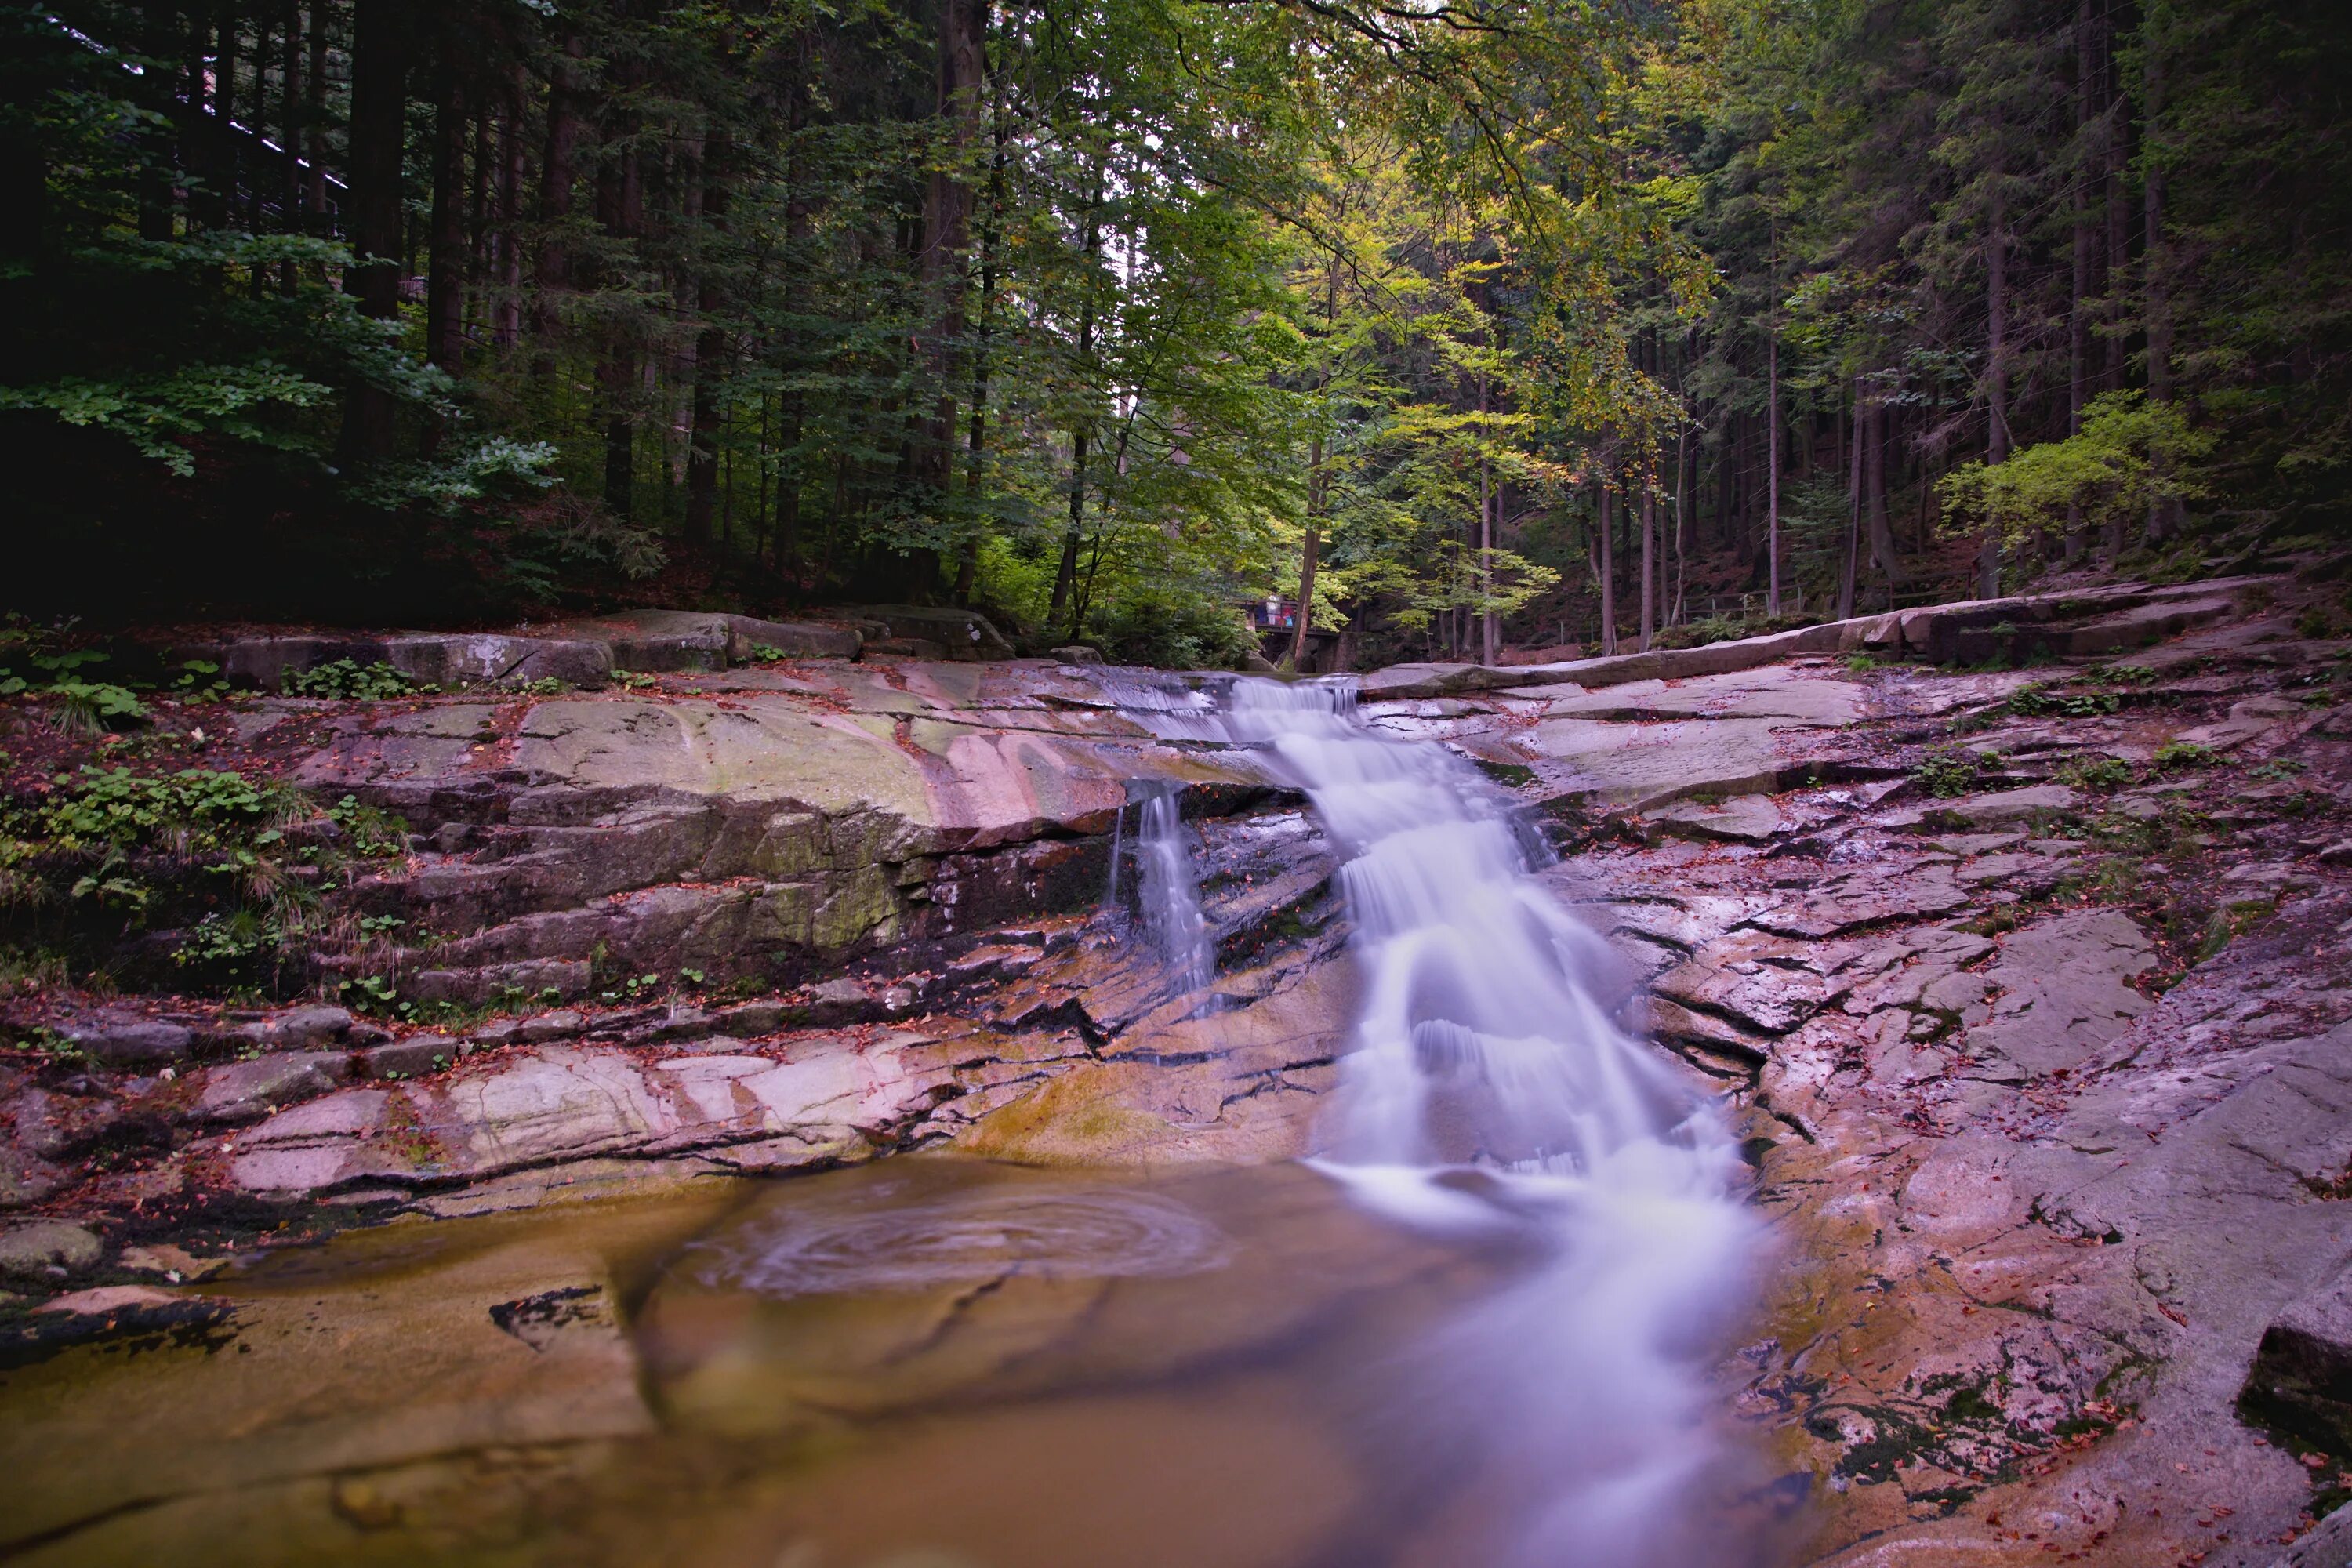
x=1077, y=653
x=46, y=1250
x=1644, y=766
x=125, y=1042
x=2066, y=993
x=2004, y=807
x=1876, y=897
x=249, y=1090
x=1743, y=820
x=1754, y=979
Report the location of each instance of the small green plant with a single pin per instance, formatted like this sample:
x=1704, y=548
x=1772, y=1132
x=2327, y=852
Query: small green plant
x=2174, y=755
x=373, y=834
x=2095, y=775
x=633, y=680
x=690, y=977
x=346, y=679
x=227, y=941
x=765, y=654
x=2124, y=674
x=370, y=994
x=1949, y=770
x=199, y=681
x=2039, y=700
x=545, y=685
x=1859, y=662
x=2318, y=622
x=2278, y=770
x=380, y=925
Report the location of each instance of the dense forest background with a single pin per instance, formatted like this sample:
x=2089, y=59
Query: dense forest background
x=1474, y=326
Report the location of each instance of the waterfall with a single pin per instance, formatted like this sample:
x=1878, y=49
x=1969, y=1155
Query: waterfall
x=1169, y=888
x=1491, y=1091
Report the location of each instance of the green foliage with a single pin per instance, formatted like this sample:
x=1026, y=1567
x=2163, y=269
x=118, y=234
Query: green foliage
x=1949, y=770
x=2175, y=755
x=2131, y=455
x=1172, y=631
x=371, y=832
x=2095, y=775
x=344, y=679
x=2037, y=699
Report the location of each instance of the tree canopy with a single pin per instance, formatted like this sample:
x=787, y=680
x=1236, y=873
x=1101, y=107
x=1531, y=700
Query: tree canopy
x=1414, y=330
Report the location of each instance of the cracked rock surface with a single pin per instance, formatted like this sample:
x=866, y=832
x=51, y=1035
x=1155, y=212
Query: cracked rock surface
x=2031, y=987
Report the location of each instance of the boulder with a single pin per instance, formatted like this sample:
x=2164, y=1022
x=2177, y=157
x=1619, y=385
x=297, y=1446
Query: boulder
x=2301, y=1381
x=299, y=1030
x=47, y=1249
x=249, y=1090
x=125, y=1042
x=1078, y=653
x=412, y=1058
x=961, y=634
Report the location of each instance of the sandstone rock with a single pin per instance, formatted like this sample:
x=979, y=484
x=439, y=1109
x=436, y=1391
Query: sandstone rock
x=961, y=634
x=129, y=1042
x=2301, y=1381
x=1644, y=766
x=1866, y=898
x=299, y=1030
x=411, y=1058
x=1743, y=820
x=2066, y=993
x=248, y=1090
x=47, y=1249
x=1077, y=653
x=2006, y=807
x=107, y=1298
x=752, y=1019
x=1753, y=978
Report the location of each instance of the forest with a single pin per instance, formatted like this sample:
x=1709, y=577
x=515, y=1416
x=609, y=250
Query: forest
x=1409, y=328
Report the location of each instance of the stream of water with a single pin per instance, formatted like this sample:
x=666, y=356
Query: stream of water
x=1478, y=1329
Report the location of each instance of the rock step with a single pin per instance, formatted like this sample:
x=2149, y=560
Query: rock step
x=577, y=652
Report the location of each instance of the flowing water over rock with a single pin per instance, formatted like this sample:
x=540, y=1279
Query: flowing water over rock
x=1492, y=1087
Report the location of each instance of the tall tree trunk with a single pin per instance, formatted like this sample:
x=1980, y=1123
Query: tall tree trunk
x=619, y=199
x=976, y=432
x=1649, y=526
x=1305, y=619
x=507, y=323
x=2088, y=165
x=290, y=130
x=1607, y=574
x=1488, y=639
x=314, y=115
x=1772, y=460
x=963, y=73
x=1847, y=571
x=2163, y=517
x=559, y=172
x=709, y=352
x=798, y=222
x=379, y=105
x=2115, y=151
x=1882, y=537
x=1996, y=373
x=445, y=285
x=1066, y=577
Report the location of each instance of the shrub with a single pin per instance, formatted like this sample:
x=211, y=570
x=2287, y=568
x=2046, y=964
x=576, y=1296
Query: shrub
x=1172, y=633
x=346, y=679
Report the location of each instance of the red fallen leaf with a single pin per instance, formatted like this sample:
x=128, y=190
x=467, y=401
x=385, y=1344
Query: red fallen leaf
x=2169, y=1311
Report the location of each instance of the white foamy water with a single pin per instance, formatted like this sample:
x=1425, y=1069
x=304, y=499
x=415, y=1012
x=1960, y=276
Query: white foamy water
x=1490, y=1089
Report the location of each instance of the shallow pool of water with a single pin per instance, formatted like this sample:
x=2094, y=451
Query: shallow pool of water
x=922, y=1362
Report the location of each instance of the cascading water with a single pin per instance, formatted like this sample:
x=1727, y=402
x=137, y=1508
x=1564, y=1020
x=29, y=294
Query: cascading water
x=1170, y=893
x=1490, y=1090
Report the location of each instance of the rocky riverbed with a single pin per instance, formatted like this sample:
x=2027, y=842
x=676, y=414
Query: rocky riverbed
x=2013, y=935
